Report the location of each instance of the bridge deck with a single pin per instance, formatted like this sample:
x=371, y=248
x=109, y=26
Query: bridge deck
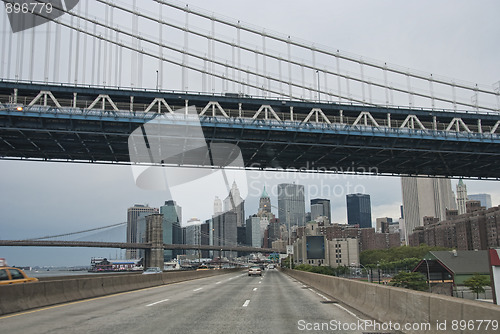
x=93, y=125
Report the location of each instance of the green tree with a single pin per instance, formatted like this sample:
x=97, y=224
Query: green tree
x=477, y=283
x=413, y=280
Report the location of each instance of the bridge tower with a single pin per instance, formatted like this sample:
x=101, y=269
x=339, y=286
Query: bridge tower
x=154, y=236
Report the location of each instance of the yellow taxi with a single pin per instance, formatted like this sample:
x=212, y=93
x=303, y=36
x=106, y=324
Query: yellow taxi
x=10, y=275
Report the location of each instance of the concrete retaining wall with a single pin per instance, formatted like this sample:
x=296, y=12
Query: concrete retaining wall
x=21, y=297
x=385, y=303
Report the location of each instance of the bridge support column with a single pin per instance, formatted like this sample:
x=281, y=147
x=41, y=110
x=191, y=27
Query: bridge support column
x=154, y=236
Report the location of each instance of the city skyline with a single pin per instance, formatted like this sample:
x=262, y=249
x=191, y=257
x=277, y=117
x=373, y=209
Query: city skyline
x=46, y=198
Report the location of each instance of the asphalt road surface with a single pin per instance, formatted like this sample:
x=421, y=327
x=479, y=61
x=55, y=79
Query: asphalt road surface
x=229, y=303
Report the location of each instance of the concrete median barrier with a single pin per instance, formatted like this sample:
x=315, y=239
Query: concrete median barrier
x=405, y=307
x=21, y=297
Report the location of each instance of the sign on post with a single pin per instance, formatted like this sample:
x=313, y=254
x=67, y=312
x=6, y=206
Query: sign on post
x=289, y=250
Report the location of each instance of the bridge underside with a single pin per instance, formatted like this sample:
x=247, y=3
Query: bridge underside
x=92, y=135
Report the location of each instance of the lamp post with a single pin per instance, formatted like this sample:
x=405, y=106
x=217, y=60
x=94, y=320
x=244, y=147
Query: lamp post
x=367, y=272
x=428, y=275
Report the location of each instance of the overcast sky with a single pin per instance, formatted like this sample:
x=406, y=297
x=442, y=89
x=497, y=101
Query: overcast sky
x=457, y=39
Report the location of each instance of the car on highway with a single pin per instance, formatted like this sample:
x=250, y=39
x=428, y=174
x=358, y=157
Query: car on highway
x=152, y=270
x=271, y=266
x=11, y=275
x=255, y=270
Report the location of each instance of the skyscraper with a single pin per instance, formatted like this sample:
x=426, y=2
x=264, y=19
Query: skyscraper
x=132, y=228
x=172, y=231
x=291, y=204
x=235, y=203
x=253, y=231
x=359, y=210
x=225, y=231
x=485, y=199
x=217, y=205
x=425, y=197
x=321, y=207
x=264, y=202
x=461, y=197
x=264, y=214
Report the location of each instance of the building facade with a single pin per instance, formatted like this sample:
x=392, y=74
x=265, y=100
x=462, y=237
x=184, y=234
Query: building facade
x=291, y=204
x=225, y=231
x=478, y=229
x=172, y=231
x=485, y=199
x=132, y=227
x=359, y=210
x=425, y=197
x=235, y=203
x=461, y=197
x=321, y=207
x=253, y=231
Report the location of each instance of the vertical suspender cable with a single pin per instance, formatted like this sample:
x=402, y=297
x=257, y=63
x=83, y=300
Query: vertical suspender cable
x=47, y=53
x=70, y=49
x=57, y=53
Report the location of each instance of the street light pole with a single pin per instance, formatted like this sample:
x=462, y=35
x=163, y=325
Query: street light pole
x=367, y=272
x=428, y=275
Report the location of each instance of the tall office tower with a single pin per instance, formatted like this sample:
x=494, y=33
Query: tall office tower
x=172, y=231
x=193, y=237
x=321, y=207
x=225, y=232
x=264, y=203
x=264, y=214
x=217, y=205
x=485, y=199
x=461, y=197
x=236, y=204
x=253, y=231
x=291, y=204
x=359, y=210
x=132, y=231
x=425, y=197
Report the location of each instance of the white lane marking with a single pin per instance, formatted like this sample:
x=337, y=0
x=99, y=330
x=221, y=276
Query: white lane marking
x=353, y=314
x=219, y=282
x=319, y=294
x=260, y=282
x=245, y=304
x=197, y=289
x=161, y=301
x=254, y=289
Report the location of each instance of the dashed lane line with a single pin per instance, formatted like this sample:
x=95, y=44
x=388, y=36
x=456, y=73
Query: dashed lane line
x=158, y=302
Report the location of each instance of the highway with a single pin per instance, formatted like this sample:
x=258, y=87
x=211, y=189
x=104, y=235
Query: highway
x=228, y=303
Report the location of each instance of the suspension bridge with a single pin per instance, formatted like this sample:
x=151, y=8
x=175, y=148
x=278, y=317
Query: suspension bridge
x=308, y=108
x=74, y=89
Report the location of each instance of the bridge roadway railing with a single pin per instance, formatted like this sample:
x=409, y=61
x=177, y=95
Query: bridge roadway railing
x=146, y=103
x=254, y=123
x=21, y=297
x=403, y=306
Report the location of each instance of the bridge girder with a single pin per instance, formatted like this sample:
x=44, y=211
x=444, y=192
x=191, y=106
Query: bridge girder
x=327, y=136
